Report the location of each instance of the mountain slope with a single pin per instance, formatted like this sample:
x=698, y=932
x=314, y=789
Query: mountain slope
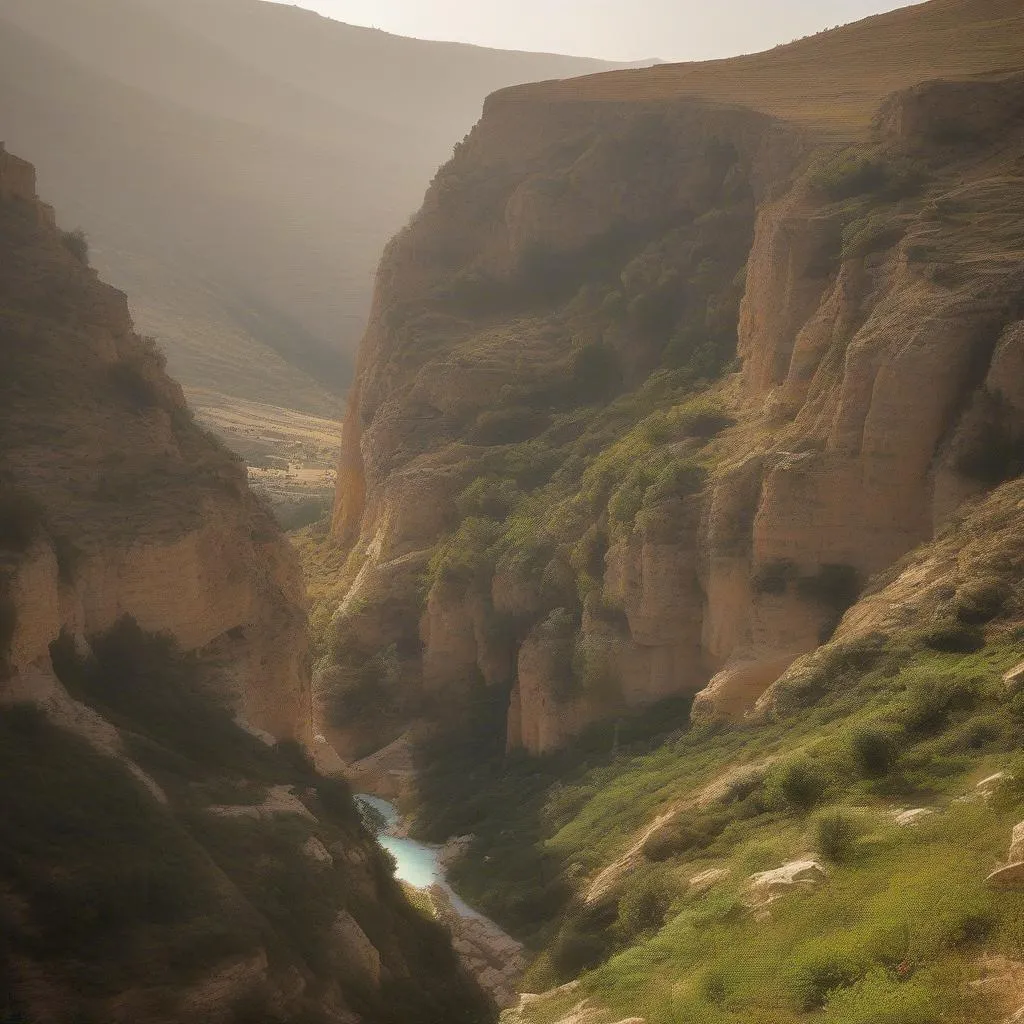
x=169, y=852
x=677, y=533
x=238, y=169
x=548, y=361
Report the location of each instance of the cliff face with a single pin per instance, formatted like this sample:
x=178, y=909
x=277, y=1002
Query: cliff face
x=549, y=459
x=136, y=512
x=169, y=853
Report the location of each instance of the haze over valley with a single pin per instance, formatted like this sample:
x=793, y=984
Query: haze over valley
x=617, y=617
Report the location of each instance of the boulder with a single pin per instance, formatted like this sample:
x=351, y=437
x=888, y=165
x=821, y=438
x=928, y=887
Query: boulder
x=1014, y=679
x=1012, y=872
x=706, y=879
x=766, y=887
x=912, y=816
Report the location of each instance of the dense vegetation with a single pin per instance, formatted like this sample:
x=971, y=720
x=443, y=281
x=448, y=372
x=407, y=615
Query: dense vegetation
x=122, y=892
x=904, y=913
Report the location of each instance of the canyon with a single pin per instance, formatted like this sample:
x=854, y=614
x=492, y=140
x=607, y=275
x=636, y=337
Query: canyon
x=554, y=482
x=671, y=597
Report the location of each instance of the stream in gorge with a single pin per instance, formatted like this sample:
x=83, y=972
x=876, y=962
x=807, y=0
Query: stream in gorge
x=419, y=864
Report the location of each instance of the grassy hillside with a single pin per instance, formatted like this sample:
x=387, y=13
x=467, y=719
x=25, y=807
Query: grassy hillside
x=881, y=720
x=834, y=79
x=238, y=166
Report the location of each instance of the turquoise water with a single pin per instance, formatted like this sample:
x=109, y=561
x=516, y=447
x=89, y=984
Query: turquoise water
x=418, y=863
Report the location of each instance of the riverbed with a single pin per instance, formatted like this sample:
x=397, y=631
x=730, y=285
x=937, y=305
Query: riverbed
x=419, y=864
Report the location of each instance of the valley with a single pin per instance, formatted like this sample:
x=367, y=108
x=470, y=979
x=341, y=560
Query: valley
x=641, y=638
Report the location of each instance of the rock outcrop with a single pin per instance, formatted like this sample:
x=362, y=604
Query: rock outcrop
x=137, y=512
x=595, y=546
x=165, y=835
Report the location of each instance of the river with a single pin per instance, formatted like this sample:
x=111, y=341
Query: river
x=419, y=864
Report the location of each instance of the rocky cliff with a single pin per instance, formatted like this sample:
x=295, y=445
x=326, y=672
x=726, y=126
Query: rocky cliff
x=169, y=852
x=667, y=366
x=125, y=507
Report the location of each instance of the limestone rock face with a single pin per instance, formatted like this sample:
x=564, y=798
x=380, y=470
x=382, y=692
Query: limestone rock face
x=139, y=513
x=881, y=353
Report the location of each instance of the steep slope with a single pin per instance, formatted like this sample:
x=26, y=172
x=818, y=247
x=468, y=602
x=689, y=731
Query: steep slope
x=169, y=854
x=545, y=439
x=840, y=858
x=238, y=167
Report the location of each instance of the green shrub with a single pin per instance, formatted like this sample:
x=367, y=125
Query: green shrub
x=875, y=752
x=713, y=986
x=880, y=998
x=951, y=636
x=679, y=479
x=576, y=951
x=980, y=601
x=489, y=497
x=467, y=555
x=77, y=244
x=644, y=903
x=820, y=973
x=850, y=173
x=931, y=700
x=835, y=836
x=801, y=784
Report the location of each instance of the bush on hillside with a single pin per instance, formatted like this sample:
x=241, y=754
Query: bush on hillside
x=951, y=636
x=822, y=971
x=870, y=234
x=801, y=784
x=849, y=173
x=835, y=835
x=931, y=700
x=980, y=601
x=644, y=904
x=875, y=752
x=77, y=244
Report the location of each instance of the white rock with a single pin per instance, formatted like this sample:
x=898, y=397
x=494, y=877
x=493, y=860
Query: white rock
x=1014, y=679
x=706, y=879
x=913, y=816
x=767, y=886
x=989, y=785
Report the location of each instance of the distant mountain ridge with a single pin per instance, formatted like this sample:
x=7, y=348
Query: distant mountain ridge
x=239, y=165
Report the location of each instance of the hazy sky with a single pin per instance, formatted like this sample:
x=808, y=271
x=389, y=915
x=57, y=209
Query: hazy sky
x=613, y=29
